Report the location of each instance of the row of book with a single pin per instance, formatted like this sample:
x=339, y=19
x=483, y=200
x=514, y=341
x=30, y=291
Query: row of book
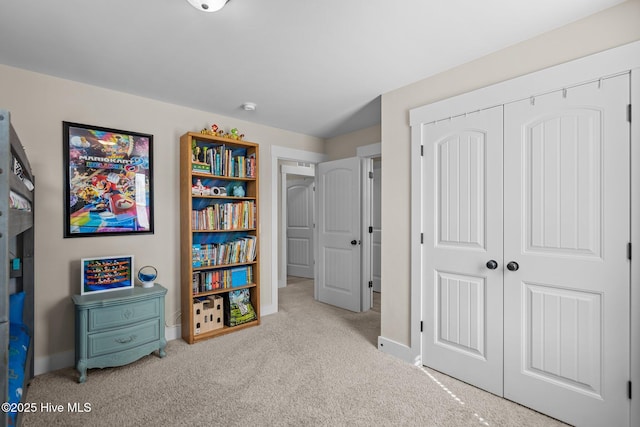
x=241, y=250
x=223, y=162
x=225, y=216
x=204, y=281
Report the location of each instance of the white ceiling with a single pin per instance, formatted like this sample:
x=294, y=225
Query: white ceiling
x=314, y=67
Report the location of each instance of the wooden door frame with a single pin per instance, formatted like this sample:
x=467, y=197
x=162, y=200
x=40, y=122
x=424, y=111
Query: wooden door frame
x=623, y=59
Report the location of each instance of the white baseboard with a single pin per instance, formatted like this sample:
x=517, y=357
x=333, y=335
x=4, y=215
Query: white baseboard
x=268, y=309
x=66, y=359
x=42, y=365
x=173, y=332
x=398, y=350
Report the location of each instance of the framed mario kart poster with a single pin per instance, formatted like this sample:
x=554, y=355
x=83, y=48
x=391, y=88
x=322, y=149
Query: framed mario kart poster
x=108, y=181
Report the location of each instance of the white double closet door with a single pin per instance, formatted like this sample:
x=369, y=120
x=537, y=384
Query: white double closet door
x=526, y=277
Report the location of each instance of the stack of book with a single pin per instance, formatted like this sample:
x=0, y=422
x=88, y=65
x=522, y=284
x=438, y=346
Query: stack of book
x=204, y=281
x=241, y=250
x=225, y=216
x=223, y=162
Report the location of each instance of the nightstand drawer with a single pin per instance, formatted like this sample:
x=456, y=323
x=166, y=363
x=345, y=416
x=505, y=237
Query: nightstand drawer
x=118, y=315
x=122, y=339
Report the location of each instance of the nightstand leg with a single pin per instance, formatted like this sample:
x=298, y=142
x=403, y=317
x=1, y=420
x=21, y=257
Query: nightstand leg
x=82, y=369
x=163, y=344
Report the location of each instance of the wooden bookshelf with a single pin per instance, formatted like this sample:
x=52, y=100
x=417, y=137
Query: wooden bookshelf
x=243, y=239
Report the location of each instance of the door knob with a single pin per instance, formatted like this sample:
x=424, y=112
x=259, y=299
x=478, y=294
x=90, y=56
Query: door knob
x=354, y=242
x=492, y=265
x=513, y=266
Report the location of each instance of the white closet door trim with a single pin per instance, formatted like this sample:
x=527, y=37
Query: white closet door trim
x=589, y=68
x=635, y=243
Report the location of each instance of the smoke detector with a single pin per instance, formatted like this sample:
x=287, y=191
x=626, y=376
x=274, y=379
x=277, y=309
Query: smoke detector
x=249, y=106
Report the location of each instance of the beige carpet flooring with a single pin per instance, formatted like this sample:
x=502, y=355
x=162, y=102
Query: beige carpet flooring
x=309, y=364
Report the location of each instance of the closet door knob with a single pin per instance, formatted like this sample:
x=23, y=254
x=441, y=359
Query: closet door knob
x=354, y=242
x=492, y=265
x=513, y=266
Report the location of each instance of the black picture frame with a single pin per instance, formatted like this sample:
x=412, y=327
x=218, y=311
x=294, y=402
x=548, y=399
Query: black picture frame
x=108, y=181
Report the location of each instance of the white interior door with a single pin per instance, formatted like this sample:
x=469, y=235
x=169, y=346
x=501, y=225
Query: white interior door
x=300, y=227
x=463, y=232
x=339, y=225
x=376, y=238
x=567, y=203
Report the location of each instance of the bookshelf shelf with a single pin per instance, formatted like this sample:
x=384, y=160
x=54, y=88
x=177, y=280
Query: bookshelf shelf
x=223, y=197
x=215, y=267
x=220, y=228
x=222, y=291
x=231, y=230
x=229, y=178
x=224, y=330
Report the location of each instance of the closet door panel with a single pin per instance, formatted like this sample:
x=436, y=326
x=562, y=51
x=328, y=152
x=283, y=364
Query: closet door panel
x=562, y=183
x=463, y=231
x=566, y=207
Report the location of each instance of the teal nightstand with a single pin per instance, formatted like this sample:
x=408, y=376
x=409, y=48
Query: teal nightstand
x=116, y=328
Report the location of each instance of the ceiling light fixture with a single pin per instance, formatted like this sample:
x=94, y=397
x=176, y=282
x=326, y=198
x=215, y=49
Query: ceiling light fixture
x=208, y=5
x=249, y=106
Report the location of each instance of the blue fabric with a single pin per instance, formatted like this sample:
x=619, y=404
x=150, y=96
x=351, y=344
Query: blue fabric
x=16, y=305
x=18, y=348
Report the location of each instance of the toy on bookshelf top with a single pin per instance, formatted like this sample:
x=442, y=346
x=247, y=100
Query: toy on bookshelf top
x=215, y=130
x=235, y=135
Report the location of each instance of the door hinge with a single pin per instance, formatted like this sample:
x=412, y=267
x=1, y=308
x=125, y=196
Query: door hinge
x=371, y=283
x=422, y=150
x=370, y=175
x=421, y=238
x=629, y=251
x=629, y=389
x=629, y=113
x=370, y=229
x=421, y=326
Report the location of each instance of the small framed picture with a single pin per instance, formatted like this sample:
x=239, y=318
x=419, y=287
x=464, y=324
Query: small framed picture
x=108, y=181
x=106, y=274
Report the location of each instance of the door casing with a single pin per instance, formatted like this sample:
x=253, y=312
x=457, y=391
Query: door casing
x=278, y=154
x=285, y=171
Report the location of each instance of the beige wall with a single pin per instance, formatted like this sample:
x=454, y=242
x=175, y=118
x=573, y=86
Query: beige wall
x=610, y=28
x=344, y=146
x=38, y=105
